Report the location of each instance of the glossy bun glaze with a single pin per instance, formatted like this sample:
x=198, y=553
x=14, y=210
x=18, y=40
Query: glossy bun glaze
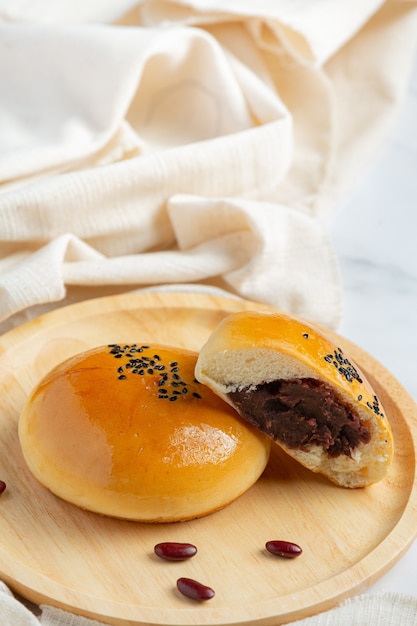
x=127, y=431
x=293, y=383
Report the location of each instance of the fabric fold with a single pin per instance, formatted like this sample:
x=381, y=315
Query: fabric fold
x=173, y=86
x=311, y=32
x=250, y=246
x=125, y=109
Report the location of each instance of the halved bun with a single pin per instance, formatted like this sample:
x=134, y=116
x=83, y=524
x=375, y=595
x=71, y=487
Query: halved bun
x=294, y=384
x=127, y=431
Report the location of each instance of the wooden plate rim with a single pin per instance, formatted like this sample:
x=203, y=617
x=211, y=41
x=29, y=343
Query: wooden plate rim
x=404, y=532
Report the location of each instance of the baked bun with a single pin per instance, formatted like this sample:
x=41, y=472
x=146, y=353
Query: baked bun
x=293, y=383
x=127, y=431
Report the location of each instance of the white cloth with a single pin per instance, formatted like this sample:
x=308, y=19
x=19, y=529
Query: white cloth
x=132, y=118
x=12, y=612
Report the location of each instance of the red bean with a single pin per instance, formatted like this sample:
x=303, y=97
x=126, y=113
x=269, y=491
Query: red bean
x=194, y=590
x=2, y=486
x=286, y=549
x=173, y=551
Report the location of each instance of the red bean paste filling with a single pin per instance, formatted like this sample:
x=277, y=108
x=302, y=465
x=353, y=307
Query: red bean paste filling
x=301, y=412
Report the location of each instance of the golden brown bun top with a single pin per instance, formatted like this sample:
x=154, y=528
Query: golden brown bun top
x=303, y=343
x=128, y=431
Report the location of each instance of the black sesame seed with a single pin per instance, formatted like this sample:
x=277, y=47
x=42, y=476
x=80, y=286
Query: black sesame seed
x=360, y=397
x=118, y=356
x=196, y=395
x=150, y=370
x=172, y=398
x=344, y=366
x=122, y=377
x=305, y=335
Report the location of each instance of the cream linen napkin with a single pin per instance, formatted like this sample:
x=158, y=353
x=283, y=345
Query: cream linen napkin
x=134, y=122
x=200, y=142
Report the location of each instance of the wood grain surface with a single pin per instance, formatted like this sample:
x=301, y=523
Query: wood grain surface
x=53, y=552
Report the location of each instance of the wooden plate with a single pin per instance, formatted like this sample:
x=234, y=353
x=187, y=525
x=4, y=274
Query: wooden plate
x=53, y=552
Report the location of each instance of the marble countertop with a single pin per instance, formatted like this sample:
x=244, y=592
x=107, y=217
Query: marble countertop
x=374, y=234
